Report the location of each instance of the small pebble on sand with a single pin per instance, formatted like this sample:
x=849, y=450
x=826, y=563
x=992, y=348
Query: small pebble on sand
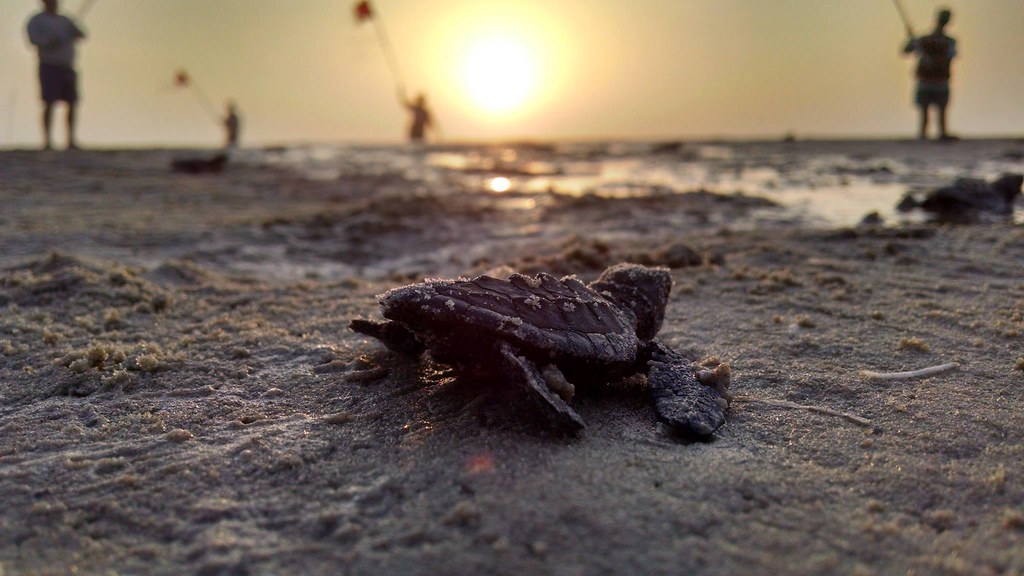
x=178, y=435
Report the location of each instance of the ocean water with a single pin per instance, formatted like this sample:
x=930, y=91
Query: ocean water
x=816, y=183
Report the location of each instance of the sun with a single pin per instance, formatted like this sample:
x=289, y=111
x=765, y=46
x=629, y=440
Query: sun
x=499, y=74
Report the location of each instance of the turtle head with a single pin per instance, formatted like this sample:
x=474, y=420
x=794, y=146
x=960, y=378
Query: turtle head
x=640, y=290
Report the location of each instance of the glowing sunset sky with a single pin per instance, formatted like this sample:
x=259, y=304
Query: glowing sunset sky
x=302, y=70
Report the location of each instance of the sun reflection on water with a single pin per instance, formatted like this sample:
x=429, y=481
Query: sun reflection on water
x=499, y=184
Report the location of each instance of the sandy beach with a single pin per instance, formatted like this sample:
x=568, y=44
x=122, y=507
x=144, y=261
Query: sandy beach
x=180, y=393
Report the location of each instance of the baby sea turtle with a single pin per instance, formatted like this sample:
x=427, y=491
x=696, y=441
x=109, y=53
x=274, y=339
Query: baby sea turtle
x=545, y=335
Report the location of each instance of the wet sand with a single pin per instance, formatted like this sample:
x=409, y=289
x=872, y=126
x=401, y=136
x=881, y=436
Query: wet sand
x=179, y=392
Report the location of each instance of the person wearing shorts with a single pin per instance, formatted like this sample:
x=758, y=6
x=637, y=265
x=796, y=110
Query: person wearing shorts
x=54, y=36
x=935, y=53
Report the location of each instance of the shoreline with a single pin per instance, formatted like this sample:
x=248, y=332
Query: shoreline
x=513, y=141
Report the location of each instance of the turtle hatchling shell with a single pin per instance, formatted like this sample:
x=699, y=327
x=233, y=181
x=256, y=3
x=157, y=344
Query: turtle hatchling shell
x=541, y=314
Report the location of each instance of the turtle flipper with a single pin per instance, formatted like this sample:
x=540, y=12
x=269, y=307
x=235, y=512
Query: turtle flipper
x=680, y=400
x=392, y=334
x=525, y=373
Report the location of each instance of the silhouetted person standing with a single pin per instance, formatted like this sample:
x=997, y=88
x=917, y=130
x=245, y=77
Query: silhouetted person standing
x=232, y=126
x=54, y=37
x=935, y=53
x=420, y=118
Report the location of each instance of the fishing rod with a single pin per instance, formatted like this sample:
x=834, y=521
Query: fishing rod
x=183, y=79
x=903, y=16
x=385, y=43
x=84, y=9
x=365, y=11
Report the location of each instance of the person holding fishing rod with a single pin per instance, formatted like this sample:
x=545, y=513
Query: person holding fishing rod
x=420, y=117
x=935, y=53
x=54, y=36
